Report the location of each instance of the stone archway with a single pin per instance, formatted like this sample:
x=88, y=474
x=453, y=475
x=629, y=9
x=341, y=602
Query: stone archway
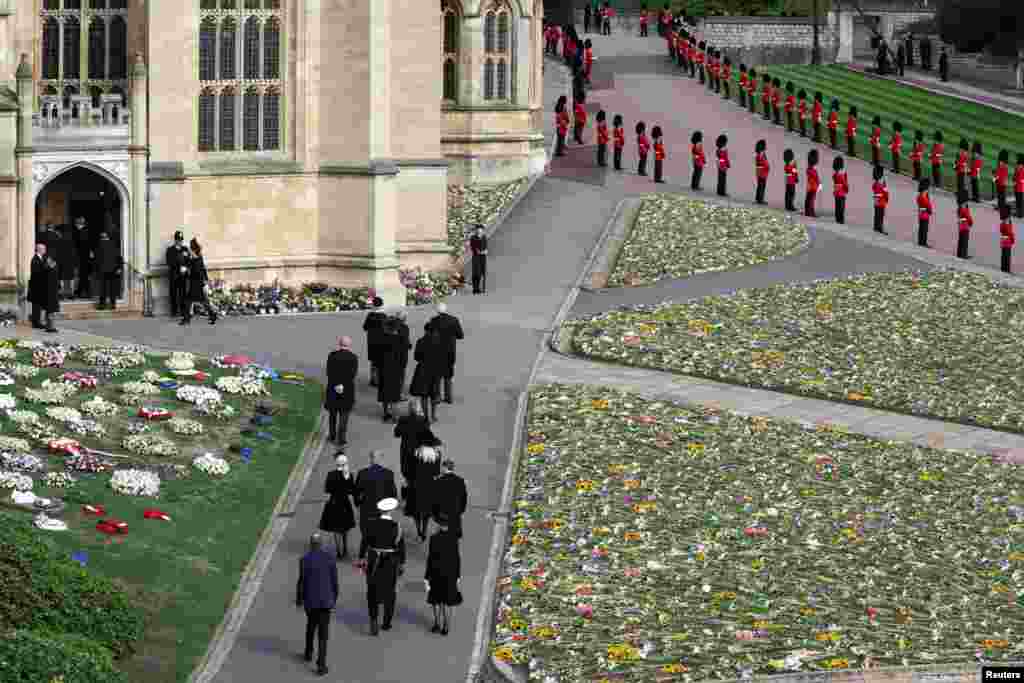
x=64, y=193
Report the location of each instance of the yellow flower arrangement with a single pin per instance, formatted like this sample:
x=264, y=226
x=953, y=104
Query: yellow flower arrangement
x=585, y=485
x=695, y=448
x=632, y=536
x=623, y=652
x=554, y=524
x=838, y=663
x=516, y=624
x=759, y=423
x=630, y=484
x=616, y=469
x=640, y=508
x=827, y=637
x=527, y=584
x=601, y=531
x=647, y=329
x=1016, y=557
x=599, y=404
x=504, y=654
x=544, y=632
x=700, y=328
x=807, y=611
x=994, y=644
x=855, y=396
x=535, y=448
x=676, y=668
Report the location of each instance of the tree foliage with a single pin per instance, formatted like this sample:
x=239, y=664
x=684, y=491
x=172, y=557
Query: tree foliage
x=977, y=25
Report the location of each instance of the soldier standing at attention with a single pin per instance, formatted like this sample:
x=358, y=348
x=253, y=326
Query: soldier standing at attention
x=977, y=161
x=744, y=81
x=619, y=136
x=777, y=101
x=924, y=212
x=896, y=145
x=813, y=183
x=965, y=222
x=1002, y=178
x=762, y=169
x=917, y=154
x=727, y=78
x=562, y=122
x=766, y=97
x=960, y=166
x=792, y=178
x=817, y=115
x=840, y=188
x=580, y=121
x=876, y=141
x=1018, y=185
x=1006, y=237
x=699, y=159
x=881, y=192
x=602, y=140
x=659, y=154
x=803, y=113
x=851, y=133
x=723, y=163
x=936, y=158
x=752, y=91
x=643, y=145
x=833, y=124
x=643, y=20
x=790, y=106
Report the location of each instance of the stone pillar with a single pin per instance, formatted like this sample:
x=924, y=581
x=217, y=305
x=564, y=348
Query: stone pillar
x=471, y=50
x=26, y=186
x=135, y=234
x=844, y=55
x=521, y=55
x=25, y=103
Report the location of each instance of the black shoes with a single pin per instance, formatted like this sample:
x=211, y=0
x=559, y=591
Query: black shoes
x=374, y=629
x=444, y=630
x=386, y=626
x=321, y=671
x=185, y=321
x=435, y=628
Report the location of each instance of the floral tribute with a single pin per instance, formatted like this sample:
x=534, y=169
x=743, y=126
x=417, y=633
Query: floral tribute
x=185, y=426
x=674, y=237
x=198, y=395
x=149, y=445
x=135, y=483
x=49, y=356
x=211, y=465
x=936, y=343
x=246, y=386
x=647, y=539
x=114, y=357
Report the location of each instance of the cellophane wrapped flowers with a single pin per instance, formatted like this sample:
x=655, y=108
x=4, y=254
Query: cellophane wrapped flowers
x=197, y=395
x=58, y=480
x=185, y=426
x=246, y=386
x=49, y=357
x=134, y=482
x=114, y=358
x=149, y=445
x=211, y=465
x=15, y=481
x=99, y=407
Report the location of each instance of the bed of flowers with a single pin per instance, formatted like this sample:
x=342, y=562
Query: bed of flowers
x=674, y=237
x=472, y=204
x=944, y=343
x=649, y=544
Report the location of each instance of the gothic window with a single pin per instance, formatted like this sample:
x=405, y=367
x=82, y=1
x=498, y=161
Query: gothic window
x=497, y=52
x=489, y=80
x=227, y=120
x=252, y=47
x=227, y=49
x=503, y=32
x=240, y=42
x=450, y=51
x=118, y=48
x=251, y=120
x=490, y=29
x=208, y=50
x=207, y=119
x=272, y=120
x=97, y=47
x=272, y=49
x=51, y=48
x=72, y=51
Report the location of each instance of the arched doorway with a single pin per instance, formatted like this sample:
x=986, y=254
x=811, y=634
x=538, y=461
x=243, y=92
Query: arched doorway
x=79, y=192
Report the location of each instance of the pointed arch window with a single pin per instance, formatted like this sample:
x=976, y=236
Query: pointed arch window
x=97, y=48
x=272, y=49
x=272, y=119
x=503, y=20
x=502, y=81
x=208, y=50
x=227, y=98
x=251, y=120
x=207, y=120
x=490, y=31
x=252, y=47
x=51, y=48
x=450, y=52
x=489, y=80
x=72, y=48
x=498, y=53
x=118, y=48
x=228, y=30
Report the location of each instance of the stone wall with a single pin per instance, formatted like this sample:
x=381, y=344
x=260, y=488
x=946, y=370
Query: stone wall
x=767, y=40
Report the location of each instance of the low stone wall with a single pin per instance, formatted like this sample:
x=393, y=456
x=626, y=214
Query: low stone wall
x=768, y=40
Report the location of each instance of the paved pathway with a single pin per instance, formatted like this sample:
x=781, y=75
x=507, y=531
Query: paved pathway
x=535, y=258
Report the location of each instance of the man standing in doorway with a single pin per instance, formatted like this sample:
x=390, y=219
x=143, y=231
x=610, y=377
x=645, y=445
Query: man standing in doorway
x=108, y=266
x=85, y=245
x=177, y=272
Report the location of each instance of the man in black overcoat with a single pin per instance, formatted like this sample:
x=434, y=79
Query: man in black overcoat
x=401, y=328
x=384, y=564
x=414, y=431
x=450, y=329
x=37, y=285
x=450, y=497
x=372, y=326
x=85, y=245
x=317, y=592
x=373, y=484
x=478, y=249
x=342, y=365
x=177, y=257
x=108, y=265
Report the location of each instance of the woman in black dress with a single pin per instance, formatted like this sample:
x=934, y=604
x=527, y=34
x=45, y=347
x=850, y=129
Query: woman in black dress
x=338, y=517
x=197, y=280
x=442, y=575
x=431, y=362
x=426, y=468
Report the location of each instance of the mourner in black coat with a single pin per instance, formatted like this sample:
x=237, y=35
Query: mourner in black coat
x=414, y=431
x=478, y=250
x=373, y=484
x=385, y=562
x=317, y=592
x=449, y=497
x=372, y=326
x=342, y=366
x=451, y=332
x=444, y=568
x=108, y=265
x=37, y=285
x=431, y=361
x=197, y=279
x=177, y=258
x=427, y=467
x=393, y=355
x=85, y=245
x=338, y=517
x=67, y=260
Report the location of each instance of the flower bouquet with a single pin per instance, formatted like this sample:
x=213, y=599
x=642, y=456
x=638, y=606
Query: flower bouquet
x=197, y=395
x=82, y=380
x=230, y=361
x=87, y=463
x=150, y=445
x=6, y=380
x=12, y=444
x=63, y=414
x=153, y=513
x=99, y=407
x=216, y=410
x=115, y=357
x=8, y=355
x=7, y=402
x=154, y=413
x=22, y=417
x=211, y=465
x=49, y=356
x=22, y=371
x=133, y=482
x=51, y=393
x=22, y=462
x=112, y=526
x=58, y=480
x=140, y=389
x=65, y=445
x=247, y=386
x=29, y=344
x=181, y=363
x=16, y=481
x=84, y=427
x=184, y=426
x=424, y=287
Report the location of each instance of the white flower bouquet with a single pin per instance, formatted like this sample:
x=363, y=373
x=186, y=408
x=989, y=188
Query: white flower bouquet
x=185, y=426
x=7, y=354
x=247, y=386
x=22, y=462
x=140, y=389
x=13, y=444
x=22, y=371
x=6, y=380
x=29, y=344
x=197, y=395
x=84, y=427
x=86, y=462
x=135, y=483
x=62, y=414
x=51, y=393
x=21, y=417
x=7, y=402
x=99, y=407
x=151, y=376
x=149, y=444
x=211, y=465
x=216, y=409
x=16, y=481
x=49, y=356
x=181, y=361
x=58, y=480
x=114, y=357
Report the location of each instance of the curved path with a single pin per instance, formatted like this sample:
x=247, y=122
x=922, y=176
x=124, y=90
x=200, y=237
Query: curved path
x=535, y=258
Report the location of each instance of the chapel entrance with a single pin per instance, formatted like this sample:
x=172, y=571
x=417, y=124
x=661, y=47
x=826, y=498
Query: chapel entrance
x=79, y=192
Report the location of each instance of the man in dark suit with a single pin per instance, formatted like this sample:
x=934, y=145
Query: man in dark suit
x=374, y=483
x=177, y=259
x=37, y=285
x=450, y=329
x=373, y=326
x=85, y=245
x=317, y=592
x=342, y=366
x=108, y=265
x=478, y=249
x=450, y=497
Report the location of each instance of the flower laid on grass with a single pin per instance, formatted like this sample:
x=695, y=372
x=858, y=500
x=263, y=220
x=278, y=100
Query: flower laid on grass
x=149, y=444
x=58, y=480
x=63, y=414
x=22, y=371
x=21, y=417
x=180, y=360
x=22, y=462
x=472, y=204
x=8, y=355
x=99, y=407
x=133, y=482
x=151, y=376
x=51, y=393
x=12, y=444
x=247, y=386
x=944, y=344
x=185, y=426
x=84, y=427
x=81, y=379
x=211, y=464
x=114, y=357
x=424, y=287
x=49, y=357
x=28, y=344
x=216, y=409
x=16, y=481
x=853, y=559
x=140, y=389
x=86, y=463
x=7, y=402
x=197, y=395
x=674, y=237
x=6, y=380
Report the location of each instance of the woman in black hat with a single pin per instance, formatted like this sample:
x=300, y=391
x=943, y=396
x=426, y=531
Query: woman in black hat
x=792, y=174
x=761, y=169
x=338, y=517
x=813, y=184
x=198, y=279
x=699, y=159
x=851, y=133
x=723, y=163
x=924, y=212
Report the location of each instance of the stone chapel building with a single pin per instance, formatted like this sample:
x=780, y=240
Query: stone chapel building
x=305, y=140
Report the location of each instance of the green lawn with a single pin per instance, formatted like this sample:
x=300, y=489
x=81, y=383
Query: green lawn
x=915, y=109
x=183, y=572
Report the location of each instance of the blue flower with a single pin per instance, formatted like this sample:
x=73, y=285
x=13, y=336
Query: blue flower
x=81, y=557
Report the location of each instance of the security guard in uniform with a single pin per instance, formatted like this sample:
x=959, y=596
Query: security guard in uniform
x=385, y=562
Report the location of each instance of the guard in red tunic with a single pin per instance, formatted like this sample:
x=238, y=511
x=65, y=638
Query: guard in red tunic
x=777, y=101
x=833, y=124
x=840, y=188
x=692, y=56
x=965, y=222
x=700, y=61
x=1001, y=178
x=896, y=145
x=938, y=150
x=817, y=115
x=881, y=191
x=1006, y=237
x=977, y=162
x=762, y=168
x=851, y=132
x=790, y=106
x=876, y=141
x=659, y=154
x=960, y=166
x=699, y=159
x=743, y=82
x=727, y=78
x=643, y=20
x=803, y=112
x=917, y=154
x=723, y=163
x=766, y=97
x=924, y=212
x=602, y=139
x=562, y=124
x=643, y=145
x=752, y=90
x=619, y=141
x=580, y=121
x=813, y=184
x=1018, y=185
x=588, y=59
x=792, y=178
